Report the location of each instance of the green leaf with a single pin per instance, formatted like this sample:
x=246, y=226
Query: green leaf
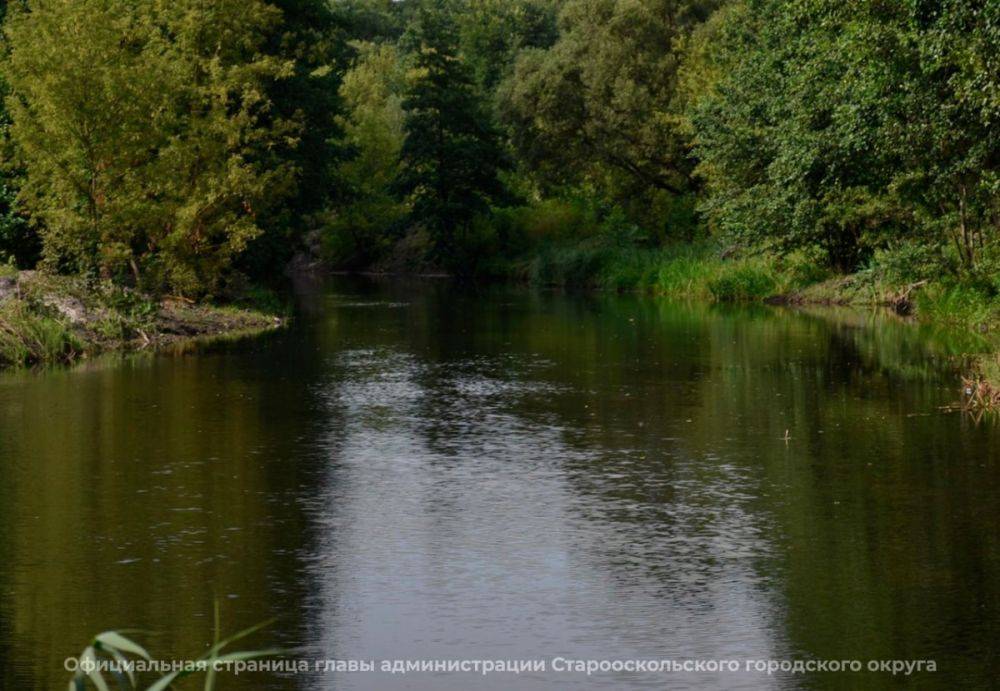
x=125, y=665
x=90, y=657
x=251, y=655
x=165, y=682
x=116, y=641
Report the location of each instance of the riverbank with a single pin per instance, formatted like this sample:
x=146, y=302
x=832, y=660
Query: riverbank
x=705, y=271
x=48, y=319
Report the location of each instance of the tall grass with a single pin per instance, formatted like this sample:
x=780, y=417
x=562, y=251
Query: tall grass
x=957, y=304
x=743, y=282
x=29, y=338
x=682, y=270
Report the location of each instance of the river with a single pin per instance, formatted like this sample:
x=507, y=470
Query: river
x=416, y=472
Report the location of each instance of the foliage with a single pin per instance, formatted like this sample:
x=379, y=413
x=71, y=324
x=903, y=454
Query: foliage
x=494, y=32
x=365, y=224
x=957, y=303
x=743, y=282
x=138, y=125
x=852, y=125
x=911, y=262
x=196, y=147
x=679, y=270
x=597, y=107
x=18, y=243
x=451, y=157
x=119, y=651
x=311, y=39
x=374, y=21
x=30, y=337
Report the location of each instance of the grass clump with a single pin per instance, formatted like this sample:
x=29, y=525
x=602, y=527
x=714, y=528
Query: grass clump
x=602, y=263
x=958, y=304
x=29, y=337
x=687, y=272
x=743, y=282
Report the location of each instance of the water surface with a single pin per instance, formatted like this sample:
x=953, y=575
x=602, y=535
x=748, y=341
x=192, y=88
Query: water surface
x=417, y=472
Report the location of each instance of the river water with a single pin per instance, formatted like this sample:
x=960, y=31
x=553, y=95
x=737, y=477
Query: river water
x=416, y=472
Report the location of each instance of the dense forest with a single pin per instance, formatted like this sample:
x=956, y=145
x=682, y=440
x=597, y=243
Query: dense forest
x=741, y=147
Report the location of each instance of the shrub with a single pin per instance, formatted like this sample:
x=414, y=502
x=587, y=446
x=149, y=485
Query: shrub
x=909, y=262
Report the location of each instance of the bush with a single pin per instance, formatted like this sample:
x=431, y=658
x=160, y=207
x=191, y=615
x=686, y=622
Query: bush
x=909, y=262
x=630, y=269
x=804, y=268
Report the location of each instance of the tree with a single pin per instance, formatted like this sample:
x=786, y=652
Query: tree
x=312, y=37
x=854, y=126
x=946, y=126
x=452, y=156
x=364, y=222
x=140, y=127
x=784, y=158
x=493, y=32
x=597, y=108
x=601, y=96
x=374, y=21
x=19, y=243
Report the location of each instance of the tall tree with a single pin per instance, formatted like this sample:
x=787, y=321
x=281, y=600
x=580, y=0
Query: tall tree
x=452, y=155
x=311, y=36
x=493, y=32
x=598, y=107
x=854, y=126
x=363, y=225
x=19, y=243
x=141, y=127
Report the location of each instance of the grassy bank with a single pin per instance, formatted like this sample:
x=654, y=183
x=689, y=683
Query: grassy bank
x=706, y=271
x=699, y=270
x=55, y=319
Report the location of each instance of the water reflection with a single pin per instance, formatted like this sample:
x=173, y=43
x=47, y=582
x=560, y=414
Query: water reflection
x=414, y=472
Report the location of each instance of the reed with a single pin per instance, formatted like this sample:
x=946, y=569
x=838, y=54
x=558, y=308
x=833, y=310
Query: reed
x=121, y=652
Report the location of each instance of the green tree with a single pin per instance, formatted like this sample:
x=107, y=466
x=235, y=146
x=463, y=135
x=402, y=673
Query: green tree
x=364, y=223
x=312, y=36
x=493, y=32
x=945, y=120
x=452, y=154
x=597, y=109
x=141, y=127
x=374, y=20
x=19, y=243
x=769, y=134
x=854, y=126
